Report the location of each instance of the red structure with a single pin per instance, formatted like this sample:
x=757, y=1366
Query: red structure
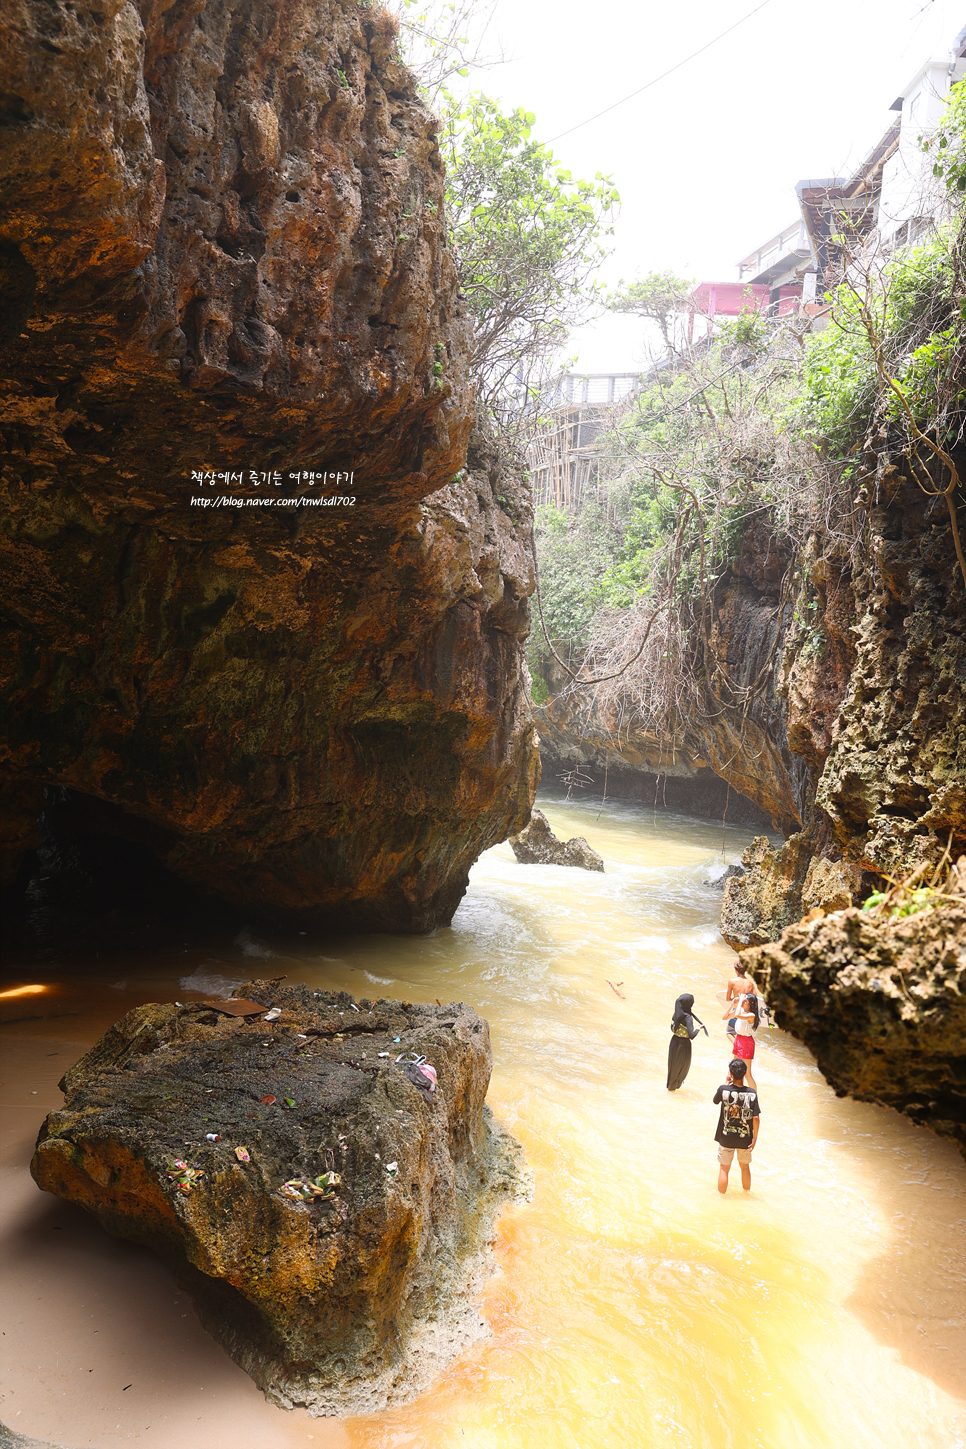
x=729, y=299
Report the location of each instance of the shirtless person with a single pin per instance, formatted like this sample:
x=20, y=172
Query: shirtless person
x=739, y=985
x=737, y=1125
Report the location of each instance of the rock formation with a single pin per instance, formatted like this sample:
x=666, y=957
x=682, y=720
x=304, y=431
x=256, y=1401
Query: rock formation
x=882, y=1004
x=330, y=1219
x=536, y=844
x=875, y=683
x=229, y=298
x=10, y=1439
x=855, y=743
x=727, y=762
x=777, y=886
x=874, y=675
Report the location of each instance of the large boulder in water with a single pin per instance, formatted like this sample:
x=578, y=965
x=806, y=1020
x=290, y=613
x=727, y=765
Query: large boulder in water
x=344, y=1293
x=537, y=845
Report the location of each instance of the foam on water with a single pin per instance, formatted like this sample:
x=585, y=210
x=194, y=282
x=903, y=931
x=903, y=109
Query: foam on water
x=211, y=981
x=635, y=1306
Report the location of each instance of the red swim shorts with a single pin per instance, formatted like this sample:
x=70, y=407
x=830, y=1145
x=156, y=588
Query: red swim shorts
x=744, y=1047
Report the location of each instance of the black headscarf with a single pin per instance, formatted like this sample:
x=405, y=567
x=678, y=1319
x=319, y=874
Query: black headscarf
x=684, y=1014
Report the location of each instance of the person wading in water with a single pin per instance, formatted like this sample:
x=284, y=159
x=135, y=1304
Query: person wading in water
x=737, y=1125
x=746, y=1019
x=682, y=1031
x=739, y=985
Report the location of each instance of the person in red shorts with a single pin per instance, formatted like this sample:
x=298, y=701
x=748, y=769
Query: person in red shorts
x=744, y=1011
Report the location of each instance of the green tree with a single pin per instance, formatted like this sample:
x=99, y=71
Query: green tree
x=662, y=298
x=442, y=39
x=528, y=239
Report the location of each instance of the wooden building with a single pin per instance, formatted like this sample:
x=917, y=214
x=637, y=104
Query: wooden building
x=564, y=468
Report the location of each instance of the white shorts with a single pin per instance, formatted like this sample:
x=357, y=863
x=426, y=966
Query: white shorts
x=726, y=1155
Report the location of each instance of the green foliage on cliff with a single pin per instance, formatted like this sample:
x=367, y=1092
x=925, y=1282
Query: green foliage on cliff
x=528, y=238
x=764, y=425
x=686, y=466
x=576, y=551
x=909, y=318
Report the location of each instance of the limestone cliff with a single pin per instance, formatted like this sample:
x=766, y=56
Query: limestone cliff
x=226, y=280
x=874, y=676
x=727, y=757
x=853, y=742
x=881, y=1003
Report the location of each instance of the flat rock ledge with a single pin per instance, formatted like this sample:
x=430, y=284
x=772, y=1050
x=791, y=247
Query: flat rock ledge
x=537, y=845
x=348, y=1299
x=881, y=1003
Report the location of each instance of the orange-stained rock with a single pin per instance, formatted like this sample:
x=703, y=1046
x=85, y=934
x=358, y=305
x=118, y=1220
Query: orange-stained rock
x=222, y=242
x=356, y=1296
x=776, y=886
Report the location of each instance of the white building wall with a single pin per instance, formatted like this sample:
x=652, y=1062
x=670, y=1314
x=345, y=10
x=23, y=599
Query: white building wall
x=909, y=189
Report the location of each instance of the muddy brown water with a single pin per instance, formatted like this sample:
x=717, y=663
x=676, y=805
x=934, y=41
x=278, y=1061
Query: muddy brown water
x=632, y=1305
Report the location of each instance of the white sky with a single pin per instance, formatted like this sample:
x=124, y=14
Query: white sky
x=706, y=161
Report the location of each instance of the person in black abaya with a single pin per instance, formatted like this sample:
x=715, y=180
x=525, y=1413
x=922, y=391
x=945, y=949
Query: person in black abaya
x=683, y=1029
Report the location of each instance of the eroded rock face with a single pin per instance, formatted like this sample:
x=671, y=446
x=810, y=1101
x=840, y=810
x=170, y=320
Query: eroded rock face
x=537, y=845
x=875, y=678
x=855, y=743
x=894, y=782
x=881, y=1003
x=728, y=760
x=222, y=230
x=342, y=1303
x=249, y=202
x=778, y=885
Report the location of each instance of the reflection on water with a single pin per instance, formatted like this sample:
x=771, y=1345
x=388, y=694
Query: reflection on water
x=634, y=1306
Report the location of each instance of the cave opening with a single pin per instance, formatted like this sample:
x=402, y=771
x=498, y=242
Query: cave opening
x=94, y=881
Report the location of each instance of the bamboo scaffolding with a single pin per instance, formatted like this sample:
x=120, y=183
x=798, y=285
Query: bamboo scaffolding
x=563, y=460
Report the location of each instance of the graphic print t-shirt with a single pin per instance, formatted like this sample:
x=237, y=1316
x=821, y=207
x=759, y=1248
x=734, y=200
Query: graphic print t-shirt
x=739, y=1106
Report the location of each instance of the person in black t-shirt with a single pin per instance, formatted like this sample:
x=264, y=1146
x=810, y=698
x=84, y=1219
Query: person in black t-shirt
x=737, y=1125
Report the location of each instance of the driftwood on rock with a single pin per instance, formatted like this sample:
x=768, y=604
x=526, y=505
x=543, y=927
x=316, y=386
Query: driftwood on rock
x=537, y=845
x=330, y=1219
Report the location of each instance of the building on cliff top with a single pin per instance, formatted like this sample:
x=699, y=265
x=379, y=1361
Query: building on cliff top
x=890, y=200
